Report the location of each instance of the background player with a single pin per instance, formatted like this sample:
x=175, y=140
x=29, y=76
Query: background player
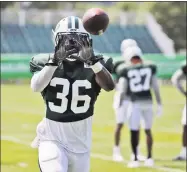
x=70, y=81
x=177, y=78
x=121, y=112
x=136, y=81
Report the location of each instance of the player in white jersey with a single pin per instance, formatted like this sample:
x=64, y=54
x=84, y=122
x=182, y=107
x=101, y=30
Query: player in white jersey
x=121, y=112
x=70, y=79
x=136, y=81
x=177, y=79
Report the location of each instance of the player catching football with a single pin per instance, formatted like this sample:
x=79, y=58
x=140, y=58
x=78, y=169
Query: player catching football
x=136, y=81
x=121, y=112
x=70, y=81
x=177, y=78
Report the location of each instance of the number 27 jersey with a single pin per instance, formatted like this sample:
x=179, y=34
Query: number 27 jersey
x=139, y=79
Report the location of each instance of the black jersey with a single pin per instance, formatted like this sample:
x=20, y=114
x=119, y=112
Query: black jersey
x=72, y=92
x=138, y=80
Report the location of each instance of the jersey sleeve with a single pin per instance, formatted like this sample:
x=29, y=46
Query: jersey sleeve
x=121, y=71
x=154, y=69
x=38, y=62
x=184, y=70
x=116, y=64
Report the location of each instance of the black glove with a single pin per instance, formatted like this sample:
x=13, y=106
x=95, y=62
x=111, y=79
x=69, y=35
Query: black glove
x=61, y=53
x=86, y=53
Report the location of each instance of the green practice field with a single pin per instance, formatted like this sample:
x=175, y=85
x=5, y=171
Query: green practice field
x=21, y=110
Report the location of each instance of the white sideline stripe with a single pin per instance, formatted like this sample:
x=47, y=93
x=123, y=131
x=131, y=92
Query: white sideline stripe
x=93, y=155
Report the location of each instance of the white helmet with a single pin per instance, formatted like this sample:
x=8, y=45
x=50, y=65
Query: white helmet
x=127, y=43
x=131, y=52
x=68, y=25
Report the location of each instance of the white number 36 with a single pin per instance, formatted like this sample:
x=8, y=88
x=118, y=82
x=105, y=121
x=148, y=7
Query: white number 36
x=75, y=96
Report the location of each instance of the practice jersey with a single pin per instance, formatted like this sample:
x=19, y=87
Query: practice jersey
x=138, y=79
x=71, y=94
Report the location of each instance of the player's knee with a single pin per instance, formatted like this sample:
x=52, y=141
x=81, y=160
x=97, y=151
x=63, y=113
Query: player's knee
x=119, y=127
x=148, y=132
x=49, y=157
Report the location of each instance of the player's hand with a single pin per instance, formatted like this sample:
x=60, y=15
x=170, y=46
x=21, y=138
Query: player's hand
x=86, y=53
x=61, y=53
x=159, y=110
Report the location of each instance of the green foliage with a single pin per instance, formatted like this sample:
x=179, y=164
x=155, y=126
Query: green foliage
x=172, y=17
x=5, y=4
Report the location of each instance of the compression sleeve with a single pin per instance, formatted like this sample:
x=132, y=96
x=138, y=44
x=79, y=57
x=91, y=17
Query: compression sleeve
x=156, y=89
x=176, y=80
x=42, y=78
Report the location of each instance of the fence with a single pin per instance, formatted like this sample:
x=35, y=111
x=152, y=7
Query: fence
x=16, y=66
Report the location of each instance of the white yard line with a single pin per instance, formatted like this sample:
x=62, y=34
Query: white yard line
x=93, y=155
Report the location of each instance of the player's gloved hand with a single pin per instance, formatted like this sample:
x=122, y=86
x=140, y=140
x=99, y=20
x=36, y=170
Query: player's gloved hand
x=86, y=53
x=61, y=53
x=159, y=110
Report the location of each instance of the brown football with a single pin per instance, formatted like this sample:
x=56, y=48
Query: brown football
x=95, y=21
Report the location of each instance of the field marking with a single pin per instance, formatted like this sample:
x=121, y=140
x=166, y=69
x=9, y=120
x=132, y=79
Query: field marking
x=93, y=155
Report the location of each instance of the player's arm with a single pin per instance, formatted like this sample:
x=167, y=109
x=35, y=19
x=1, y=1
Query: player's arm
x=103, y=76
x=42, y=72
x=156, y=89
x=44, y=68
x=176, y=80
x=122, y=86
x=155, y=84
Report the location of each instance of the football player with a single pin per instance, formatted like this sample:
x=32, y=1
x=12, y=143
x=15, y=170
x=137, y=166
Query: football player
x=69, y=80
x=177, y=77
x=136, y=81
x=121, y=112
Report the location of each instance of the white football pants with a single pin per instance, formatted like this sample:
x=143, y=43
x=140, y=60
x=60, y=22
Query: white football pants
x=54, y=158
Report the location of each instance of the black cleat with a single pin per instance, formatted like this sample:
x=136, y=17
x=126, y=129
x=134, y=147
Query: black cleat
x=179, y=158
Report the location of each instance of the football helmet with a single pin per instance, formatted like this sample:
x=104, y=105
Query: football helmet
x=69, y=31
x=127, y=43
x=130, y=52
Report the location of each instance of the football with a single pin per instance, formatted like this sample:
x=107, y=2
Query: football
x=95, y=21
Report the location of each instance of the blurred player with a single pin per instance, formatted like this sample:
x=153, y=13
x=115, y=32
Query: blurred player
x=70, y=81
x=121, y=112
x=136, y=81
x=177, y=77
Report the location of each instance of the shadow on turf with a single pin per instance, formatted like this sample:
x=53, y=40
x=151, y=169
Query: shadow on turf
x=175, y=164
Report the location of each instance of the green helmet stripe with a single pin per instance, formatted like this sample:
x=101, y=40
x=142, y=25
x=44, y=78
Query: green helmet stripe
x=76, y=23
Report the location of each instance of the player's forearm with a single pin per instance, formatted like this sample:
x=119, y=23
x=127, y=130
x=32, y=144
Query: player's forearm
x=103, y=77
x=179, y=86
x=122, y=87
x=156, y=90
x=176, y=81
x=41, y=79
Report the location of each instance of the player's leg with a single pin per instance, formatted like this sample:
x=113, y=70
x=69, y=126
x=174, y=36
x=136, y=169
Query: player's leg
x=121, y=115
x=182, y=155
x=148, y=122
x=134, y=125
x=79, y=162
x=52, y=157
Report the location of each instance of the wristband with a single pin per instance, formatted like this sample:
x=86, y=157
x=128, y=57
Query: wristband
x=97, y=67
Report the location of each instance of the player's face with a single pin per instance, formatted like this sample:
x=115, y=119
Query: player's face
x=136, y=60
